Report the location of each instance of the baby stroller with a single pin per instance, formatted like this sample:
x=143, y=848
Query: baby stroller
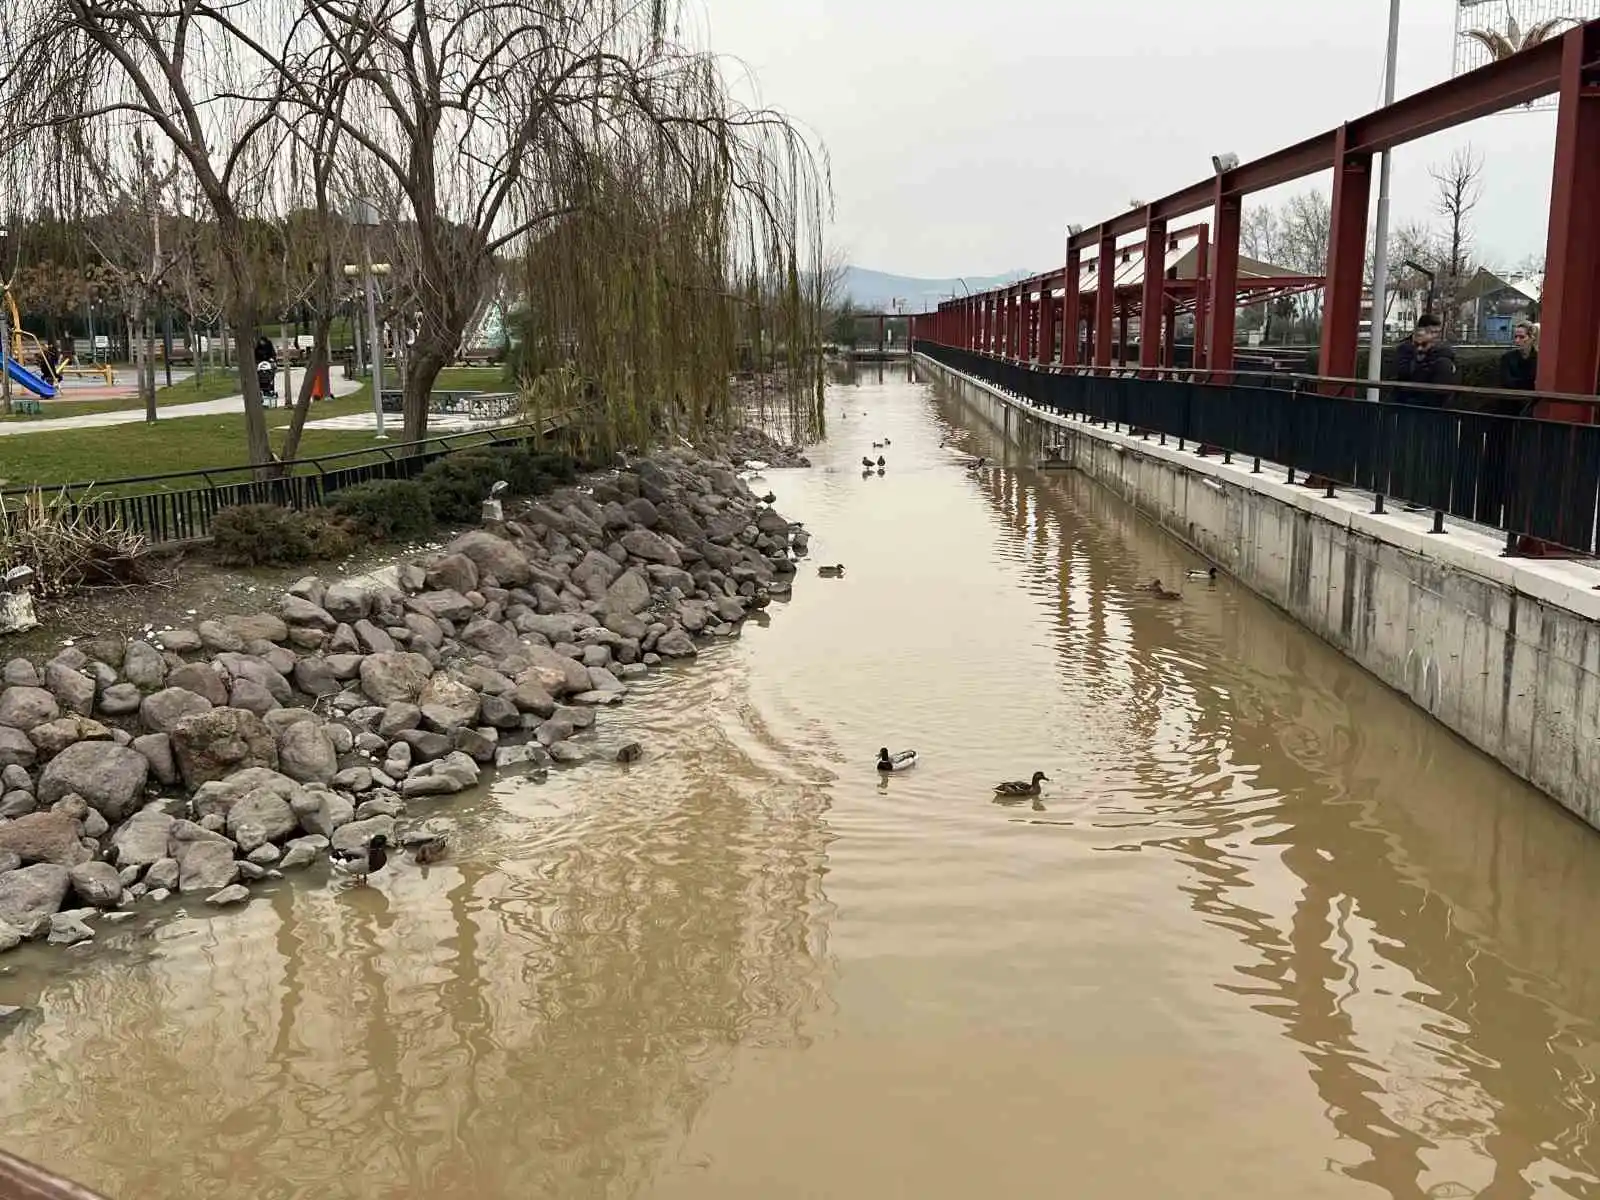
x=267, y=376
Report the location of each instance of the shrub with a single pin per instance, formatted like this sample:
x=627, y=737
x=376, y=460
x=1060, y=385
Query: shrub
x=255, y=535
x=387, y=508
x=69, y=547
x=458, y=485
x=264, y=535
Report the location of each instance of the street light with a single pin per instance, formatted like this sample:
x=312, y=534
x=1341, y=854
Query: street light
x=1222, y=163
x=1380, y=233
x=365, y=214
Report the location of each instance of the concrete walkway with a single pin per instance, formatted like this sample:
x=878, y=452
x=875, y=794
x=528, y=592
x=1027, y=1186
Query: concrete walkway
x=171, y=412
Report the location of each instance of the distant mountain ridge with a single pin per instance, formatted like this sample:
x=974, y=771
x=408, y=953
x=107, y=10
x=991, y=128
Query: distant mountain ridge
x=878, y=290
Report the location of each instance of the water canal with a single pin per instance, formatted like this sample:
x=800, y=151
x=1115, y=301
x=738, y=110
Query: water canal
x=1267, y=932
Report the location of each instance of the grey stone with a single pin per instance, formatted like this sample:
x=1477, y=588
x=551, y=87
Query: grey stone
x=397, y=718
x=493, y=638
x=297, y=610
x=258, y=627
x=567, y=754
x=424, y=630
x=379, y=806
x=556, y=729
x=675, y=643
x=31, y=895
x=650, y=546
x=602, y=680
x=158, y=895
x=202, y=679
x=347, y=602
x=372, y=639
x=345, y=666
x=97, y=884
x=212, y=745
x=234, y=893
x=17, y=804
x=342, y=738
x=454, y=773
x=128, y=876
x=598, y=697
x=629, y=594
x=596, y=656
x=453, y=572
x=10, y=939
x=596, y=573
x=15, y=778
x=217, y=637
x=51, y=738
x=161, y=711
x=394, y=678
x=19, y=672
x=258, y=671
x=25, y=707
x=321, y=811
x=498, y=712
x=265, y=855
x=163, y=873
x=447, y=703
x=444, y=605
x=314, y=677
x=16, y=748
x=179, y=641
x=44, y=837
x=119, y=700
x=268, y=812
x=357, y=834
x=477, y=744
x=554, y=672
x=425, y=745
x=94, y=825
x=302, y=852
x=306, y=753
x=72, y=689
x=522, y=755
x=252, y=697
x=309, y=587
x=495, y=558
x=110, y=777
x=157, y=751
x=206, y=866
x=142, y=839
x=354, y=779
x=68, y=928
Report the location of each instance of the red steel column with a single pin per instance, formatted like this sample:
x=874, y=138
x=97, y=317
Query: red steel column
x=1151, y=308
x=1105, y=297
x=1047, y=324
x=1202, y=285
x=1569, y=351
x=1122, y=336
x=1223, y=306
x=1071, y=306
x=1347, y=260
x=1169, y=337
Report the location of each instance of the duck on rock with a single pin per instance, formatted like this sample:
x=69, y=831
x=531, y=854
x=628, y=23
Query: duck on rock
x=902, y=761
x=360, y=863
x=1016, y=787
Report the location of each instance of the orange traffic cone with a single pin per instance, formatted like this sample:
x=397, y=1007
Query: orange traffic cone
x=319, y=389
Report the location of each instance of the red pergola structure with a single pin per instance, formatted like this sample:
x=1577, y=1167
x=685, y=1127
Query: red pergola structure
x=1007, y=321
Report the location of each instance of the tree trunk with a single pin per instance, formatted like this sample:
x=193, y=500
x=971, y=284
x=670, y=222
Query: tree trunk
x=317, y=363
x=428, y=359
x=148, y=384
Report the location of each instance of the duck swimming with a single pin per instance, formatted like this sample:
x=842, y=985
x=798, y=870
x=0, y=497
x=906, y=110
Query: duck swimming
x=877, y=445
x=363, y=862
x=1198, y=573
x=432, y=850
x=881, y=463
x=867, y=462
x=903, y=761
x=834, y=572
x=1016, y=787
x=1156, y=588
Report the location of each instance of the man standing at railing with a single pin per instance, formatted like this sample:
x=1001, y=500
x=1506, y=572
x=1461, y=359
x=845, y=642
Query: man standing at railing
x=1424, y=358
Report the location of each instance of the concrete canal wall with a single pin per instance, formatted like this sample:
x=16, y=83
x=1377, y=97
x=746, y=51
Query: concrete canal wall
x=1504, y=651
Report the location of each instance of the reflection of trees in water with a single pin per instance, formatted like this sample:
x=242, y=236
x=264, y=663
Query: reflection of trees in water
x=1442, y=944
x=542, y=1029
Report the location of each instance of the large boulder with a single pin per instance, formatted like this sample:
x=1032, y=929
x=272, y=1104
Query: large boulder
x=206, y=865
x=357, y=834
x=143, y=666
x=258, y=627
x=97, y=884
x=142, y=839
x=258, y=671
x=72, y=688
x=269, y=813
x=347, y=602
x=203, y=680
x=110, y=777
x=444, y=605
x=453, y=572
x=314, y=677
x=321, y=810
x=25, y=707
x=650, y=546
x=45, y=837
x=493, y=638
x=396, y=678
x=306, y=753
x=119, y=700
x=630, y=593
x=447, y=703
x=675, y=643
x=494, y=557
x=555, y=673
x=157, y=751
x=297, y=610
x=596, y=573
x=31, y=896
x=162, y=711
x=217, y=798
x=212, y=745
x=16, y=748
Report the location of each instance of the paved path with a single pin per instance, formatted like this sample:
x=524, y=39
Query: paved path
x=169, y=412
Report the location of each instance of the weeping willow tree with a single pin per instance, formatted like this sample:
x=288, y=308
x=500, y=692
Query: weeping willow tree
x=668, y=302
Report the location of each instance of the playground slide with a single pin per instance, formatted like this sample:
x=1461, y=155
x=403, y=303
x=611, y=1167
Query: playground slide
x=28, y=379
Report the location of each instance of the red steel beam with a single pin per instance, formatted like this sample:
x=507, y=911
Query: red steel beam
x=1347, y=258
x=1222, y=308
x=1105, y=296
x=1071, y=278
x=1155, y=277
x=1202, y=284
x=1569, y=359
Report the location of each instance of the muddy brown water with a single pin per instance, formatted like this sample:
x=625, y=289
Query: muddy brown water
x=1267, y=932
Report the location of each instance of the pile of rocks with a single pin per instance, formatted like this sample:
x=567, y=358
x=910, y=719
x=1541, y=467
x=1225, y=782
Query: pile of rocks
x=203, y=760
x=745, y=445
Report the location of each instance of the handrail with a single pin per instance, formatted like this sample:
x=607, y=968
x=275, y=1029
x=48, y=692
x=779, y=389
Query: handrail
x=1126, y=369
x=317, y=461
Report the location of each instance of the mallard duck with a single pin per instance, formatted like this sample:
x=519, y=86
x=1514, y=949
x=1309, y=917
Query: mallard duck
x=977, y=464
x=1199, y=573
x=360, y=863
x=1016, y=787
x=432, y=850
x=877, y=445
x=1156, y=588
x=769, y=498
x=881, y=463
x=831, y=572
x=866, y=462
x=887, y=442
x=903, y=761
x=761, y=599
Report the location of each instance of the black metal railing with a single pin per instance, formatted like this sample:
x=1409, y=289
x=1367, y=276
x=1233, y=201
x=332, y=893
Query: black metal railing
x=1530, y=478
x=180, y=506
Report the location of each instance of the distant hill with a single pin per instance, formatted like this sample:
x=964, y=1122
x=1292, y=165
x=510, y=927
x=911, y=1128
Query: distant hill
x=878, y=290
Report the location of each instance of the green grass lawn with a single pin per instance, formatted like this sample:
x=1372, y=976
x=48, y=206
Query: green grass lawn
x=193, y=443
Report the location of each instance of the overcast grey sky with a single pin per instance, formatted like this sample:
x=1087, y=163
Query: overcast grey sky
x=966, y=134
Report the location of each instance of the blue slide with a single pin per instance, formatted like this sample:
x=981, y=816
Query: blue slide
x=28, y=379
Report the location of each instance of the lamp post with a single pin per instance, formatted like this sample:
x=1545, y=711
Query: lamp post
x=366, y=216
x=5, y=333
x=1380, y=233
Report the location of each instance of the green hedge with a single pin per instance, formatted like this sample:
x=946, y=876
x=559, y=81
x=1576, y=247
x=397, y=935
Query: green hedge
x=258, y=535
x=387, y=508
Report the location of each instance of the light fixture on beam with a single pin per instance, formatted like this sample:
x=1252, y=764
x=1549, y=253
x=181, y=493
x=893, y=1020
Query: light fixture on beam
x=1221, y=163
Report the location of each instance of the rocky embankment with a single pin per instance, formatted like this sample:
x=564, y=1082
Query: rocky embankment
x=202, y=761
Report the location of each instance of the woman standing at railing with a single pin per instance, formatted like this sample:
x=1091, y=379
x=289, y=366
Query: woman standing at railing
x=1519, y=366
